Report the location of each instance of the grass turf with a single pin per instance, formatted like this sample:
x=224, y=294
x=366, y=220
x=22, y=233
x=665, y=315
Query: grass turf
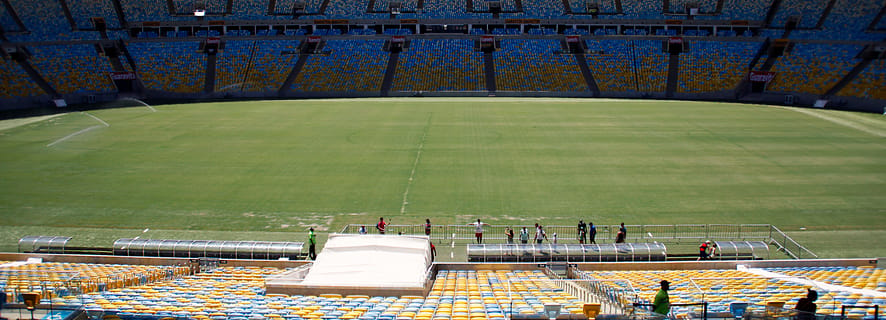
x=265, y=169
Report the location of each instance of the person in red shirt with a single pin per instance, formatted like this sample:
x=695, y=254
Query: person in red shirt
x=381, y=225
x=703, y=250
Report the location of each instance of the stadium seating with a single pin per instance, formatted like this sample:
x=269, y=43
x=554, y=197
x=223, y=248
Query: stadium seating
x=350, y=9
x=813, y=68
x=188, y=6
x=652, y=66
x=445, y=9
x=440, y=65
x=62, y=282
x=232, y=65
x=869, y=83
x=73, y=68
x=271, y=65
x=44, y=21
x=612, y=64
x=148, y=10
x=808, y=11
x=712, y=66
x=142, y=292
x=16, y=83
x=679, y=6
x=83, y=12
x=542, y=9
x=520, y=64
x=640, y=9
x=722, y=287
x=170, y=66
x=351, y=65
x=740, y=10
x=854, y=277
x=848, y=20
x=633, y=65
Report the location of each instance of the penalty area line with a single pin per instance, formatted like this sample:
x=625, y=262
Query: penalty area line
x=96, y=118
x=421, y=146
x=105, y=124
x=73, y=135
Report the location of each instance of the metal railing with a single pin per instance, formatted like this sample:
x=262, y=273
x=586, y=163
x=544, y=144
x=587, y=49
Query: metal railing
x=672, y=234
x=644, y=311
x=615, y=296
x=789, y=246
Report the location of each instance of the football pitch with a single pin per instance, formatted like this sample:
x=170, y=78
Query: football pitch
x=267, y=170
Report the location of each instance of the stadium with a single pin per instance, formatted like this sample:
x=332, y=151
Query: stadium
x=176, y=159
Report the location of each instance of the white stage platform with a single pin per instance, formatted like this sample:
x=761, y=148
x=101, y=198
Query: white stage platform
x=363, y=264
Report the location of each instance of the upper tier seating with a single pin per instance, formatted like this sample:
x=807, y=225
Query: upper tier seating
x=84, y=11
x=847, y=21
x=809, y=11
x=43, y=21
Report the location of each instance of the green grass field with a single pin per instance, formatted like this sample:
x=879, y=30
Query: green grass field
x=267, y=170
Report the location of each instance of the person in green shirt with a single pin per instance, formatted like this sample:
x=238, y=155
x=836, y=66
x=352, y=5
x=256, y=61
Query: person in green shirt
x=312, y=249
x=662, y=303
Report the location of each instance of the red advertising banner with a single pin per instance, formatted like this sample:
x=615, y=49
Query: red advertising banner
x=487, y=39
x=675, y=40
x=122, y=75
x=398, y=39
x=313, y=39
x=213, y=40
x=761, y=76
x=572, y=39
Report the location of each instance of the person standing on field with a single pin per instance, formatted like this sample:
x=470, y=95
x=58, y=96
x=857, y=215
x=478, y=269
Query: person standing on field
x=428, y=227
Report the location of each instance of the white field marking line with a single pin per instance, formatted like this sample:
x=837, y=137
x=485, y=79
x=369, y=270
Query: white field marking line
x=843, y=122
x=15, y=123
x=81, y=131
x=96, y=118
x=74, y=134
x=809, y=282
x=142, y=102
x=874, y=122
x=421, y=146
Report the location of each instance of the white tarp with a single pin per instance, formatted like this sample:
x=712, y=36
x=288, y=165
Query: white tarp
x=371, y=261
